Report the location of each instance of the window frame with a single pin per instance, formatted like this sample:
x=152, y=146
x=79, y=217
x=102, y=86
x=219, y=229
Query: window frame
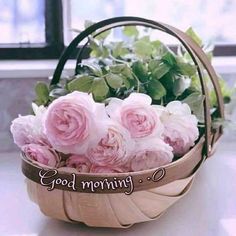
x=54, y=35
x=54, y=38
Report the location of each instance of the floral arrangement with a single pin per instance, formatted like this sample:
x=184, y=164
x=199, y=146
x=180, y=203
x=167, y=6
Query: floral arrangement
x=130, y=107
x=126, y=135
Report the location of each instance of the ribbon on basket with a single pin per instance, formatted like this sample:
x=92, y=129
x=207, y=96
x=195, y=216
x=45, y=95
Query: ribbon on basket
x=114, y=183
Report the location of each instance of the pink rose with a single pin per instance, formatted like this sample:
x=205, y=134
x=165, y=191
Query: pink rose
x=114, y=148
x=107, y=169
x=75, y=122
x=180, y=127
x=80, y=162
x=29, y=129
x=136, y=114
x=151, y=154
x=41, y=154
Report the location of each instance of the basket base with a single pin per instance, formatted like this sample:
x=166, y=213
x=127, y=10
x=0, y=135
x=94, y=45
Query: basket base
x=108, y=210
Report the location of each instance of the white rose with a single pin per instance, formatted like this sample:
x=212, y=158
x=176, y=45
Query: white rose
x=180, y=126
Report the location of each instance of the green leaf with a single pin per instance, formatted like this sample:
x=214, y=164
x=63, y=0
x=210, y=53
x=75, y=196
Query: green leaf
x=195, y=101
x=42, y=93
x=155, y=89
x=127, y=72
x=123, y=69
x=153, y=64
x=168, y=81
x=180, y=85
x=142, y=48
x=98, y=49
x=118, y=68
x=58, y=92
x=130, y=31
x=95, y=69
x=140, y=70
x=186, y=68
x=145, y=39
x=190, y=32
x=119, y=50
x=169, y=59
x=159, y=49
x=99, y=89
x=82, y=83
x=160, y=71
x=88, y=23
x=227, y=92
x=103, y=35
x=114, y=80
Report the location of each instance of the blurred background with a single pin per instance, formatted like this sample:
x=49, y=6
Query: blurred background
x=33, y=34
x=23, y=21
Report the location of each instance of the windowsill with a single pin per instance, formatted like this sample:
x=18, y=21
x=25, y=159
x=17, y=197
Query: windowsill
x=45, y=68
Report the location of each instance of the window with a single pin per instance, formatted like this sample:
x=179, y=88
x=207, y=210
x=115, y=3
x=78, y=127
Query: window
x=37, y=29
x=22, y=22
x=31, y=29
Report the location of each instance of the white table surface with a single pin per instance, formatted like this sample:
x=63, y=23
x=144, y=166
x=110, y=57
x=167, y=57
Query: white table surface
x=209, y=209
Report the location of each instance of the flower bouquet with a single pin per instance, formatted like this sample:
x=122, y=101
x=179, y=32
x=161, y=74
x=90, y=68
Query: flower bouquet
x=121, y=140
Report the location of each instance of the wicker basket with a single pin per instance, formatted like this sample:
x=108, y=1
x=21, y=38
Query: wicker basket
x=146, y=194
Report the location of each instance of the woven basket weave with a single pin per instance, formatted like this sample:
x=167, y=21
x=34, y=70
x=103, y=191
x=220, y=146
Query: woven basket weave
x=151, y=195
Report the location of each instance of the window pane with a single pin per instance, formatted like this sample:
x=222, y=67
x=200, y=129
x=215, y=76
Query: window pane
x=212, y=20
x=22, y=21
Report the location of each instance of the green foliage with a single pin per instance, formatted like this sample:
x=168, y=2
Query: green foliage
x=195, y=101
x=190, y=32
x=114, y=81
x=58, y=92
x=141, y=71
x=155, y=89
x=99, y=89
x=42, y=93
x=81, y=83
x=130, y=31
x=180, y=85
x=142, y=49
x=226, y=91
x=159, y=71
x=116, y=69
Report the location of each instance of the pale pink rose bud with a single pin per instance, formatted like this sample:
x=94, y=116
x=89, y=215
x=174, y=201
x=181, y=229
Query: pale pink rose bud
x=41, y=154
x=80, y=162
x=180, y=127
x=75, y=122
x=29, y=129
x=137, y=115
x=151, y=154
x=107, y=169
x=114, y=148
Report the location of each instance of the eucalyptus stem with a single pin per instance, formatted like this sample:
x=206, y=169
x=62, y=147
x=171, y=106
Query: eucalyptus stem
x=118, y=60
x=138, y=82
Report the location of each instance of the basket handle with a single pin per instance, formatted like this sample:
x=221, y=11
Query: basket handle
x=188, y=44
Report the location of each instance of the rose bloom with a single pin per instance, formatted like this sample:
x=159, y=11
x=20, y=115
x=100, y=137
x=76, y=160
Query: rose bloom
x=75, y=122
x=114, y=148
x=29, y=129
x=41, y=154
x=180, y=126
x=136, y=114
x=151, y=154
x=80, y=162
x=107, y=169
